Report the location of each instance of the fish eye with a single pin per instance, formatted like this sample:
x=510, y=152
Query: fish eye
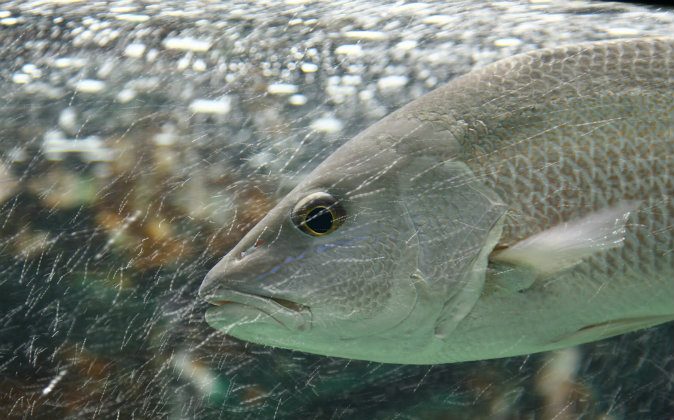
x=318, y=214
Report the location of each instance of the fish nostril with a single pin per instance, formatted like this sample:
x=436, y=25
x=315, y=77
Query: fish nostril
x=245, y=253
x=258, y=243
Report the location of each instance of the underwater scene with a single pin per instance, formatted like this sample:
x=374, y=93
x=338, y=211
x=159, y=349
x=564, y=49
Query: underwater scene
x=140, y=141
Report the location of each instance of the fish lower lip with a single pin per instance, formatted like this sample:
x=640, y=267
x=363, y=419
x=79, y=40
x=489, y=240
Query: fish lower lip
x=288, y=304
x=220, y=302
x=293, y=306
x=288, y=313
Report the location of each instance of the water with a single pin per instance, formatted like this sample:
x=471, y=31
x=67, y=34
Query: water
x=139, y=141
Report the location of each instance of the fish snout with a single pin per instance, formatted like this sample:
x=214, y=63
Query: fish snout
x=226, y=274
x=211, y=283
x=234, y=272
x=235, y=286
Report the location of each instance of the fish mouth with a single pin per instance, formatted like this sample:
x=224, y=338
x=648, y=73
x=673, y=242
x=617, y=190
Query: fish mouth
x=238, y=307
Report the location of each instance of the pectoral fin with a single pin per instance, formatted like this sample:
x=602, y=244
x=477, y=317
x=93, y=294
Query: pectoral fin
x=567, y=244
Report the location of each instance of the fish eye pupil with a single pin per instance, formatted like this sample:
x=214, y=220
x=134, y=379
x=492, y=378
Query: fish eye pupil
x=319, y=220
x=318, y=214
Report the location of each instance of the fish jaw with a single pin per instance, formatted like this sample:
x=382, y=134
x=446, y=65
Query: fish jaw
x=237, y=302
x=234, y=308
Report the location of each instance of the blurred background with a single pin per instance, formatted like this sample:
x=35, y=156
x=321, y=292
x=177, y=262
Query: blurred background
x=140, y=140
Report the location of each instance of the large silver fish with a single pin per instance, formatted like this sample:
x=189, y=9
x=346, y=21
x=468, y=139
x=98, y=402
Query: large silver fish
x=523, y=207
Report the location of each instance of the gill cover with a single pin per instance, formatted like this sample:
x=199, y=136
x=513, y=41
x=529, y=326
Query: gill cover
x=456, y=222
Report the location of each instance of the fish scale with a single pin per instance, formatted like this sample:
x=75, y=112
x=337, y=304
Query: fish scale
x=620, y=155
x=601, y=133
x=566, y=176
x=614, y=178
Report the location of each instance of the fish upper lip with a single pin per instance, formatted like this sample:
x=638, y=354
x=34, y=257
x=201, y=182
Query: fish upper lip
x=290, y=314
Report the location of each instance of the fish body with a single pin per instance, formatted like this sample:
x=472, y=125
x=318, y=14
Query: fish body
x=523, y=207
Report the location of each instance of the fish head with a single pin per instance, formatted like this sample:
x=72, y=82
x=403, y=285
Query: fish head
x=343, y=265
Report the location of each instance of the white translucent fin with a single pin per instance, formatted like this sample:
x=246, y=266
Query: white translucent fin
x=566, y=245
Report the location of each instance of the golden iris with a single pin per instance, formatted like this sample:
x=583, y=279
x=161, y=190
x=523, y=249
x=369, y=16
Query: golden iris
x=318, y=214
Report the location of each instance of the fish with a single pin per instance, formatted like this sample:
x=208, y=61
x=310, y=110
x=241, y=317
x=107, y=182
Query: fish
x=522, y=207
